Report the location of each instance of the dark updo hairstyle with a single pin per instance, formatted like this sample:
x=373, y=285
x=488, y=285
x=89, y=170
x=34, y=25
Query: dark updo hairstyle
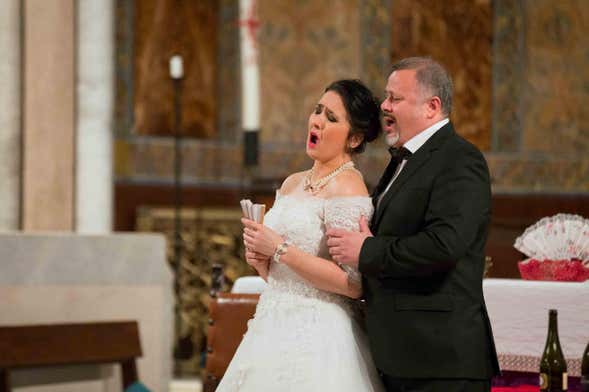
x=362, y=108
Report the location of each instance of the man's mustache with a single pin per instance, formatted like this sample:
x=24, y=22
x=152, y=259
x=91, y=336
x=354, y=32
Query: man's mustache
x=388, y=116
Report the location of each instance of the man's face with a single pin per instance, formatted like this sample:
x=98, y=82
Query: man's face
x=403, y=108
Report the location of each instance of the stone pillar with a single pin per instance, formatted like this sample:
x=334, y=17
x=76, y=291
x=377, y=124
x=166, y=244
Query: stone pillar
x=48, y=115
x=10, y=115
x=95, y=95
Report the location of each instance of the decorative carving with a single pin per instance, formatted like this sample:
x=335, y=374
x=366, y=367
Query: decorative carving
x=208, y=236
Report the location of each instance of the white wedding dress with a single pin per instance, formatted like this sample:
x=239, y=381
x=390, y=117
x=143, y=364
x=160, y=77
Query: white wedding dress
x=303, y=339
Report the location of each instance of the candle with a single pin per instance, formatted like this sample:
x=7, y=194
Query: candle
x=250, y=77
x=176, y=68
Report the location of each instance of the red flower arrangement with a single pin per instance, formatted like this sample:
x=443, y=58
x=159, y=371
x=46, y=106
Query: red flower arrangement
x=553, y=270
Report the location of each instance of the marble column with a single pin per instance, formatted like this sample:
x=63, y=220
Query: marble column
x=48, y=115
x=10, y=115
x=95, y=95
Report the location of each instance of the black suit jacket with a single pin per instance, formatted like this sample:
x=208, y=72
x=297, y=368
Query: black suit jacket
x=423, y=269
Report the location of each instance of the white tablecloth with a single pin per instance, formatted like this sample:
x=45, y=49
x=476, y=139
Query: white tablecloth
x=248, y=285
x=518, y=310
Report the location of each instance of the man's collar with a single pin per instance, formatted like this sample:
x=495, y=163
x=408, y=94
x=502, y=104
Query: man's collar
x=419, y=140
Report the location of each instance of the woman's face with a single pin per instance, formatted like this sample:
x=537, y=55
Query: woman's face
x=328, y=129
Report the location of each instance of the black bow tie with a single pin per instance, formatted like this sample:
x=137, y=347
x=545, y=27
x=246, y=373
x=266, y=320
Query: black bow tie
x=398, y=154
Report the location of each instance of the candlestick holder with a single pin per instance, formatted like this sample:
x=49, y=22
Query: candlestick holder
x=250, y=148
x=182, y=349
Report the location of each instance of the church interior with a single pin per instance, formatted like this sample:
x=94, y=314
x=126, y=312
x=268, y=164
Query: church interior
x=131, y=129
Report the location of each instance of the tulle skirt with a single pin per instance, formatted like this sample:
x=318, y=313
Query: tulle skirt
x=302, y=344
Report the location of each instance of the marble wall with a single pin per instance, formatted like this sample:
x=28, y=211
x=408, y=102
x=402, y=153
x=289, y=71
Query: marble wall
x=302, y=46
x=458, y=34
x=10, y=115
x=164, y=28
x=94, y=101
x=540, y=85
x=49, y=112
x=519, y=67
x=69, y=278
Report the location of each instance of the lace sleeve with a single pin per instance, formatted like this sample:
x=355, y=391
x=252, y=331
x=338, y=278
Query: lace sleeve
x=344, y=213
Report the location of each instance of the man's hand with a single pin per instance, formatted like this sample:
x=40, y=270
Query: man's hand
x=344, y=246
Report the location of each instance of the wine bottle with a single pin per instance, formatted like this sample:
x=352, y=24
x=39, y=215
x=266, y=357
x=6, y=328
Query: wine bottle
x=585, y=370
x=553, y=367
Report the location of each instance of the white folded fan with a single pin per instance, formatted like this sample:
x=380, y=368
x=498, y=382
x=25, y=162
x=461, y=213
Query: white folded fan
x=558, y=237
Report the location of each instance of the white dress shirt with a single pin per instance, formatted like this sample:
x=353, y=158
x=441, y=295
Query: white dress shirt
x=413, y=145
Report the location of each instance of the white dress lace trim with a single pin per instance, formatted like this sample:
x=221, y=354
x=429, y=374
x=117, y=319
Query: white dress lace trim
x=302, y=338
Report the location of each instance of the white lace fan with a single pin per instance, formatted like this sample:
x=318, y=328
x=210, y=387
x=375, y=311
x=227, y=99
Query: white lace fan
x=558, y=237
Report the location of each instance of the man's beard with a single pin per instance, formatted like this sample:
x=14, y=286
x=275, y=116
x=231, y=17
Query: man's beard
x=392, y=139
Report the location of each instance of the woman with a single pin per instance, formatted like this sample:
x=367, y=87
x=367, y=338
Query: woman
x=303, y=336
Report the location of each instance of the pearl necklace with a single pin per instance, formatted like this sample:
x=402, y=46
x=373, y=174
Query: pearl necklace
x=317, y=186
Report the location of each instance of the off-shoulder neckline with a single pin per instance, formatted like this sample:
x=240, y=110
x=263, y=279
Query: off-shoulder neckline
x=334, y=198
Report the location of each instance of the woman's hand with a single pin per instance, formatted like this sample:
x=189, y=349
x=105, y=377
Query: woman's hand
x=256, y=260
x=259, y=238
x=259, y=262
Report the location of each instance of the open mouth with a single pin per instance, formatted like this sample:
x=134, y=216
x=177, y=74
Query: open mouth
x=388, y=121
x=313, y=139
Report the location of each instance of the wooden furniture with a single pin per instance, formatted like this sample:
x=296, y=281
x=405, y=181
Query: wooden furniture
x=228, y=317
x=228, y=314
x=128, y=197
x=69, y=344
x=512, y=213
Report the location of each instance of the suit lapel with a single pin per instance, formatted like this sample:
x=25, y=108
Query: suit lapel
x=412, y=166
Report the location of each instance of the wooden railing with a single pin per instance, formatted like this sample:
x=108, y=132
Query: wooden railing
x=29, y=346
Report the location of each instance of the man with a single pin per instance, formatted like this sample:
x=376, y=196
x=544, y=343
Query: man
x=422, y=258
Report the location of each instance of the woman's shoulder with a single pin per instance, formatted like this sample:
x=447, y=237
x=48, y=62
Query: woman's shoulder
x=348, y=183
x=291, y=182
x=348, y=201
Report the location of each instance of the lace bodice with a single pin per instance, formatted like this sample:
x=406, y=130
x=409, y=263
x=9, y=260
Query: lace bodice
x=298, y=328
x=303, y=221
